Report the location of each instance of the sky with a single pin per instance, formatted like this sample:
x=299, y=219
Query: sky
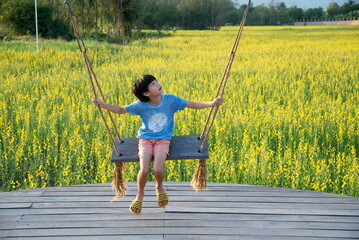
x=304, y=4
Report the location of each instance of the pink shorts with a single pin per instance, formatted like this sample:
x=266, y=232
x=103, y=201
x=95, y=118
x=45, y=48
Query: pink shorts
x=153, y=146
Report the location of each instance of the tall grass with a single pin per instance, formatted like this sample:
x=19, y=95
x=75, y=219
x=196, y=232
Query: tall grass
x=290, y=117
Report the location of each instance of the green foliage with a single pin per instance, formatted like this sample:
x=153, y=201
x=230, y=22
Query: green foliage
x=295, y=13
x=19, y=19
x=313, y=13
x=18, y=16
x=333, y=9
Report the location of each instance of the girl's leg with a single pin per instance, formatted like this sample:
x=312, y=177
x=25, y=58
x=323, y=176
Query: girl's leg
x=142, y=176
x=159, y=171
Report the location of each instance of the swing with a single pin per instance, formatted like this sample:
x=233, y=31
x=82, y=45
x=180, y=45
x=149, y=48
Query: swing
x=181, y=147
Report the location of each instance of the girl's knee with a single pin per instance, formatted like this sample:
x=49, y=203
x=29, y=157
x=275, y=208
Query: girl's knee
x=158, y=170
x=145, y=171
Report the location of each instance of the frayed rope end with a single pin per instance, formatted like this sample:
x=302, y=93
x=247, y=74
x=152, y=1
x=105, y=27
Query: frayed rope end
x=199, y=180
x=118, y=183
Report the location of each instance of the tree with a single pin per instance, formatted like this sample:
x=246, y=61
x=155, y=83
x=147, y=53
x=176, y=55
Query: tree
x=166, y=15
x=283, y=16
x=18, y=15
x=222, y=11
x=272, y=10
x=156, y=14
x=332, y=9
x=313, y=13
x=242, y=9
x=193, y=14
x=349, y=7
x=125, y=12
x=295, y=13
x=259, y=16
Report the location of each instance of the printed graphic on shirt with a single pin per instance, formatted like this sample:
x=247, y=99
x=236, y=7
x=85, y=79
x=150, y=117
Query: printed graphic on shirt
x=157, y=122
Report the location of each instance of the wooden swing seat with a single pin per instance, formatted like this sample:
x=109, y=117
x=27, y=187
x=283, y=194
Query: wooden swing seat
x=182, y=147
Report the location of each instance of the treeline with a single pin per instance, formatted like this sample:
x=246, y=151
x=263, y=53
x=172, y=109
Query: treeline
x=120, y=18
x=278, y=13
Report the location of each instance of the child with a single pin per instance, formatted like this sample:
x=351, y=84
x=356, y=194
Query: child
x=157, y=114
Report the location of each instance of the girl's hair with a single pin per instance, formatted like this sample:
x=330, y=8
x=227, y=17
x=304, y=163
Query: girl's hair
x=141, y=86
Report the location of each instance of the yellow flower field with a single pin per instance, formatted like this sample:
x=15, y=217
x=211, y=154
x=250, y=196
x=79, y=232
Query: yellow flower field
x=290, y=117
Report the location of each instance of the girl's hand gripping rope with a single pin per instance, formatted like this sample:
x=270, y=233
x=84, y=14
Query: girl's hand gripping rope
x=217, y=102
x=97, y=102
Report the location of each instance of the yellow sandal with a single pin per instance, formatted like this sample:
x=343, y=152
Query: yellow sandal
x=136, y=204
x=162, y=197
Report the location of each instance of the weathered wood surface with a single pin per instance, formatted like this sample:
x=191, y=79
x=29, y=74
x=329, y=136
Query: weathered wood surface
x=182, y=147
x=225, y=211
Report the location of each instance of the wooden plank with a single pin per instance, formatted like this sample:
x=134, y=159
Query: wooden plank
x=261, y=224
x=262, y=199
x=94, y=210
x=21, y=193
x=108, y=193
x=12, y=218
x=235, y=237
x=4, y=233
x=183, y=230
x=182, y=147
x=14, y=205
x=293, y=194
x=266, y=205
x=212, y=204
x=231, y=210
x=154, y=209
x=95, y=189
x=234, y=188
x=184, y=199
x=328, y=212
x=180, y=223
x=150, y=191
x=83, y=224
x=109, y=237
x=189, y=217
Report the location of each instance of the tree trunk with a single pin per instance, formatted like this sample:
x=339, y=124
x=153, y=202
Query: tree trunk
x=89, y=18
x=121, y=23
x=96, y=21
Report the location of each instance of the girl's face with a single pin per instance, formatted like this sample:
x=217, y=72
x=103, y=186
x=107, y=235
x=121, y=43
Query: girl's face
x=154, y=89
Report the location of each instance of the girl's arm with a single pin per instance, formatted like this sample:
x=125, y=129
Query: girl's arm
x=112, y=108
x=199, y=104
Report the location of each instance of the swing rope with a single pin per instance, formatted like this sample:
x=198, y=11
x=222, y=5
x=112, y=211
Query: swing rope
x=199, y=180
x=118, y=183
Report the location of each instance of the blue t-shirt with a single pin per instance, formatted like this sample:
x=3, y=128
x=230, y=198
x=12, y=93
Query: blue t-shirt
x=157, y=121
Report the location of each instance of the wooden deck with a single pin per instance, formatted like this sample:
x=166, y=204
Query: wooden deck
x=225, y=211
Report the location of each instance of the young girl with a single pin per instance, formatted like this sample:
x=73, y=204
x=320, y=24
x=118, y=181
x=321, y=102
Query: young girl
x=157, y=114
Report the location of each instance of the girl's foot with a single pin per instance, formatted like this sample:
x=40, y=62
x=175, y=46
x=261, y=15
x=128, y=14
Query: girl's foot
x=162, y=197
x=136, y=205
